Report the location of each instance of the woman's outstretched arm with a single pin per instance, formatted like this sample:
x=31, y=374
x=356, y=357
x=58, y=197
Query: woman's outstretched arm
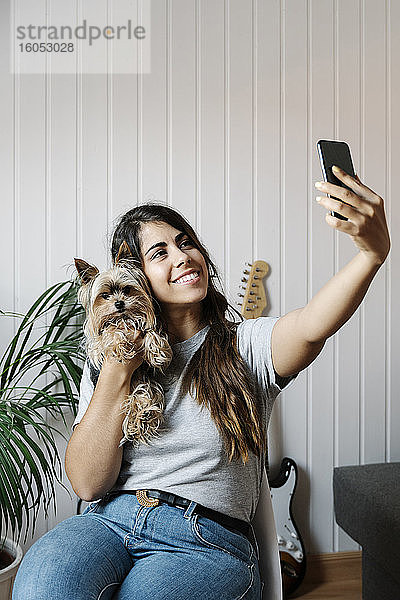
x=299, y=336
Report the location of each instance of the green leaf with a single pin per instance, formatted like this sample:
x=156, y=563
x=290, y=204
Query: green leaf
x=37, y=308
x=47, y=343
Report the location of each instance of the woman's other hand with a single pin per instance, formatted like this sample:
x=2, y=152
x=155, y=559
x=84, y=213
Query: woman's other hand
x=126, y=369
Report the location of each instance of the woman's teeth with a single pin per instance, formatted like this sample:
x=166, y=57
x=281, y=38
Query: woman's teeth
x=187, y=278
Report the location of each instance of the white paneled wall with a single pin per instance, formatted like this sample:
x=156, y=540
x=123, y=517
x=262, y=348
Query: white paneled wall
x=224, y=128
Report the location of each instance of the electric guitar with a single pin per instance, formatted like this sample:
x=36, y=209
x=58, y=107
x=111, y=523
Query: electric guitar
x=290, y=543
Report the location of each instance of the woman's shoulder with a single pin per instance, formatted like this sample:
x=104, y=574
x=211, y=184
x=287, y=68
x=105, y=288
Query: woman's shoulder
x=253, y=340
x=255, y=330
x=254, y=345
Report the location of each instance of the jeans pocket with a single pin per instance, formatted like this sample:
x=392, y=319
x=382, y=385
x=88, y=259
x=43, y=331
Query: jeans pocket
x=211, y=534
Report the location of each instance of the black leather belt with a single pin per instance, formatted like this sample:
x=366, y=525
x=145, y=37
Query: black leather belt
x=154, y=497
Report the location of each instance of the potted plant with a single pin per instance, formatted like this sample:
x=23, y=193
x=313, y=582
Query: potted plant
x=47, y=345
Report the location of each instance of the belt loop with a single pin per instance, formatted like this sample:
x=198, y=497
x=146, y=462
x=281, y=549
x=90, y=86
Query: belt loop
x=190, y=509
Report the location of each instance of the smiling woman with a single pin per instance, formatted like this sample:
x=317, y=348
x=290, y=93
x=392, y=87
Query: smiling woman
x=179, y=509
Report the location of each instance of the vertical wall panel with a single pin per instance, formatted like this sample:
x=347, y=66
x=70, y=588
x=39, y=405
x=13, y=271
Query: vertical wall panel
x=32, y=189
x=321, y=244
x=211, y=129
x=123, y=133
x=239, y=215
x=393, y=208
x=374, y=140
x=7, y=130
x=7, y=173
x=267, y=175
x=347, y=340
x=31, y=152
x=182, y=108
x=267, y=132
x=61, y=217
x=293, y=226
x=92, y=106
x=153, y=134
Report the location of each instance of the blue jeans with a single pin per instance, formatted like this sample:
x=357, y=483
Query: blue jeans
x=125, y=551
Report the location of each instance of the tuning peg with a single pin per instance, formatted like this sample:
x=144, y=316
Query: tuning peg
x=257, y=269
x=249, y=309
x=239, y=303
x=241, y=295
x=255, y=277
x=246, y=272
x=257, y=297
x=248, y=264
x=243, y=287
x=251, y=293
x=244, y=279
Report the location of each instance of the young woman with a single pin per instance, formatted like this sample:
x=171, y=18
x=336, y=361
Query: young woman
x=188, y=534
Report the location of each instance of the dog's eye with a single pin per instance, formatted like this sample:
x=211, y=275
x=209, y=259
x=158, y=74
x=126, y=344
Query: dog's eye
x=126, y=290
x=105, y=295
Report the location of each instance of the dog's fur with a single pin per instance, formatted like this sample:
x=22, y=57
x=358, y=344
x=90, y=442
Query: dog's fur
x=118, y=304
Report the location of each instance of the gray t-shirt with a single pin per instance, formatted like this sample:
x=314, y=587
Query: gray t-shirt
x=189, y=457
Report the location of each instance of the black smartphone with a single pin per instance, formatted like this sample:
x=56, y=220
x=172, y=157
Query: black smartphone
x=331, y=153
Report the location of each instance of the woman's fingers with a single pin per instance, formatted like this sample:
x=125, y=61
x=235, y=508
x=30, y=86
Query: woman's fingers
x=339, y=207
x=365, y=212
x=343, y=226
x=361, y=204
x=357, y=186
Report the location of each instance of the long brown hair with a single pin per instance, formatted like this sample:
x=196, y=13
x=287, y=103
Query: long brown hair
x=216, y=374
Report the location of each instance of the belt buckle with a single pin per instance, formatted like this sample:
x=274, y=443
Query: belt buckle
x=144, y=500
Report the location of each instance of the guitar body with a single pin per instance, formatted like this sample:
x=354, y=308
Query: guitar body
x=291, y=547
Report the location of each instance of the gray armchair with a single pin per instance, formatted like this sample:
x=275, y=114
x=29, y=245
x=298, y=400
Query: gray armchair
x=367, y=507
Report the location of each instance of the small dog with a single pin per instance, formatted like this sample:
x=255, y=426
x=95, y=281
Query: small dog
x=118, y=304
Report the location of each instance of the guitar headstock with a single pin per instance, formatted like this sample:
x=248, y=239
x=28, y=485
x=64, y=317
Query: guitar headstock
x=254, y=300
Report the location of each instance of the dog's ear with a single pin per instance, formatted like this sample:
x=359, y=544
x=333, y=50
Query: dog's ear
x=123, y=252
x=86, y=272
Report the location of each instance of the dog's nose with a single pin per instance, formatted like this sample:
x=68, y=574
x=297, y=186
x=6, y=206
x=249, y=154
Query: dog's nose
x=119, y=304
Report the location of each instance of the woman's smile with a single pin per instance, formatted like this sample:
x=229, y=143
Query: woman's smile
x=191, y=279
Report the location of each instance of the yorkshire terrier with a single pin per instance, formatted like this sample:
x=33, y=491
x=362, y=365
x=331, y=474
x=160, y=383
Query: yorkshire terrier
x=118, y=304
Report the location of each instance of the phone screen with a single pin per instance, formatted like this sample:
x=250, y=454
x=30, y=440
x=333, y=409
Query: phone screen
x=331, y=153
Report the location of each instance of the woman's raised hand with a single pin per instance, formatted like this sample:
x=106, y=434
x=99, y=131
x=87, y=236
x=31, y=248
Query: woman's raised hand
x=365, y=210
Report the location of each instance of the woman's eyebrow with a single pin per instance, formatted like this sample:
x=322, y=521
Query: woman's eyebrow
x=163, y=244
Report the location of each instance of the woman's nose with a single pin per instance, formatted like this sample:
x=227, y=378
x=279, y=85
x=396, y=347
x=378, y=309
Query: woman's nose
x=180, y=258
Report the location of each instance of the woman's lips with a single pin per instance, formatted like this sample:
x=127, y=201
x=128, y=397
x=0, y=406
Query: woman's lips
x=189, y=281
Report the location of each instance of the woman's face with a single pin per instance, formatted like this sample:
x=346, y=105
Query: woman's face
x=167, y=255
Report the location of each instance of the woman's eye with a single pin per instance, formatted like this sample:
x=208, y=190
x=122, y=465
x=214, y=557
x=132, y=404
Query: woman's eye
x=186, y=242
x=105, y=296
